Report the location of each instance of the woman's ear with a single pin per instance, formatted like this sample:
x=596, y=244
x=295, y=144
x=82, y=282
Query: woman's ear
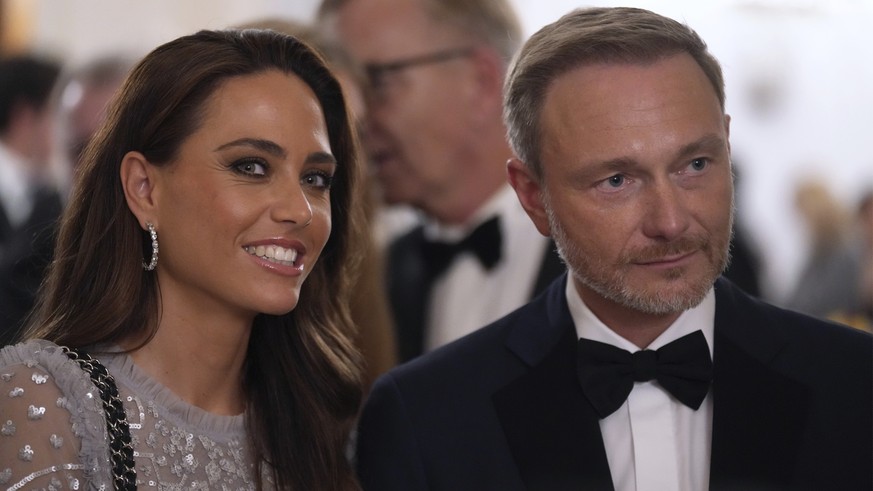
x=138, y=178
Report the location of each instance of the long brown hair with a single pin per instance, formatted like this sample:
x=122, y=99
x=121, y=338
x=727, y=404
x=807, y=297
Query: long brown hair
x=302, y=374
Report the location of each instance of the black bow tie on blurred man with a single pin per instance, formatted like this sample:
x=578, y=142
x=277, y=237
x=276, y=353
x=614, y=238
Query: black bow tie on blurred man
x=484, y=242
x=607, y=374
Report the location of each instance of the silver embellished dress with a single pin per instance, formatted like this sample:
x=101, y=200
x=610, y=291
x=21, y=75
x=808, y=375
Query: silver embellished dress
x=53, y=431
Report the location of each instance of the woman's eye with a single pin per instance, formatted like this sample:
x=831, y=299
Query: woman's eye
x=250, y=167
x=318, y=180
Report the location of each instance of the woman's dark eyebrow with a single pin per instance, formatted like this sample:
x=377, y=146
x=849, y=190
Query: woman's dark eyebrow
x=276, y=150
x=320, y=158
x=258, y=143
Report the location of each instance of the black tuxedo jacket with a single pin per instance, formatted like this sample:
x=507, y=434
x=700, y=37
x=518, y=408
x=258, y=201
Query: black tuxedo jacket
x=5, y=226
x=409, y=291
x=25, y=253
x=501, y=408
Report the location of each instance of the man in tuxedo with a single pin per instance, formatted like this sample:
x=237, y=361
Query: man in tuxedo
x=29, y=201
x=434, y=133
x=641, y=369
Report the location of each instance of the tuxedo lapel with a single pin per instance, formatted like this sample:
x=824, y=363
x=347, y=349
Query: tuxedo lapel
x=552, y=430
x=757, y=412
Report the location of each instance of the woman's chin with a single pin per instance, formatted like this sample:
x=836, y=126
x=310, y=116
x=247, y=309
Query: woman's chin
x=280, y=306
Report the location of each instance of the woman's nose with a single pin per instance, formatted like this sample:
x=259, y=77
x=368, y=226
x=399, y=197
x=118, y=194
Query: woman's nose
x=291, y=205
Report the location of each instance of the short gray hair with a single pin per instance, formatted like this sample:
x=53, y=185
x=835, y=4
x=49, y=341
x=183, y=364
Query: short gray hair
x=493, y=22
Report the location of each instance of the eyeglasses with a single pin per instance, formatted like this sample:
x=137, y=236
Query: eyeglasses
x=376, y=72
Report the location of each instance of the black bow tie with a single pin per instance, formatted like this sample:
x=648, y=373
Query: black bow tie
x=607, y=374
x=484, y=242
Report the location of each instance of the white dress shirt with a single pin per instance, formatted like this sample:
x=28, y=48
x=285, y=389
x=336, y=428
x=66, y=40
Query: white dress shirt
x=654, y=442
x=15, y=187
x=467, y=296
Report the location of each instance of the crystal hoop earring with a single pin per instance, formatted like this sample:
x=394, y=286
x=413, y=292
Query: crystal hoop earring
x=154, y=260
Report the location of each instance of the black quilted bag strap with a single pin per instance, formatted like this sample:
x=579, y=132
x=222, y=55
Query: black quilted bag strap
x=120, y=446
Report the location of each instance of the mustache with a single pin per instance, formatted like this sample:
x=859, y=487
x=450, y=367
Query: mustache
x=680, y=246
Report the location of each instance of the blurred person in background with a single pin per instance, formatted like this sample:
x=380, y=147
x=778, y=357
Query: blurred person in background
x=369, y=301
x=82, y=98
x=29, y=200
x=828, y=285
x=436, y=141
x=865, y=218
x=744, y=267
x=861, y=314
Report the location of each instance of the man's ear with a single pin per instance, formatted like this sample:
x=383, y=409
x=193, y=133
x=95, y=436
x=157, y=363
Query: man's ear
x=489, y=73
x=482, y=91
x=530, y=194
x=138, y=178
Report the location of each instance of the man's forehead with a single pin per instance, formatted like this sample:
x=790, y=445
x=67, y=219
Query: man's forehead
x=383, y=30
x=640, y=84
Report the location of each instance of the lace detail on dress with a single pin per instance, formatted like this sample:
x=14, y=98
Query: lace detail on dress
x=176, y=445
x=53, y=433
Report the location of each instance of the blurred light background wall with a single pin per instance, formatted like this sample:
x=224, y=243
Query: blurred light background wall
x=799, y=84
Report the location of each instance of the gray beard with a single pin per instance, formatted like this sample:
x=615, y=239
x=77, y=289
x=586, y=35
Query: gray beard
x=614, y=286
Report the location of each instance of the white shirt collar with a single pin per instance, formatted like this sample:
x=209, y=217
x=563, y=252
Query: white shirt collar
x=501, y=200
x=15, y=184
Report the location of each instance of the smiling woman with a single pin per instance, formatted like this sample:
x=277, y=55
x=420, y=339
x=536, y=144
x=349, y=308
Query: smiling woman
x=203, y=260
x=249, y=187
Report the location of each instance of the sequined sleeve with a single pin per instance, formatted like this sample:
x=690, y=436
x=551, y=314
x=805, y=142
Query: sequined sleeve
x=52, y=428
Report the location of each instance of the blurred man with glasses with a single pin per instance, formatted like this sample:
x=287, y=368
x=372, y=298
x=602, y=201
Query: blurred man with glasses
x=434, y=133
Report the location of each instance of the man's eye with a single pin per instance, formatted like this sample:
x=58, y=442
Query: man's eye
x=616, y=180
x=698, y=164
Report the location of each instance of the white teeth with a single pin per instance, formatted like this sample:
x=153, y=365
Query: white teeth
x=274, y=253
x=290, y=255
